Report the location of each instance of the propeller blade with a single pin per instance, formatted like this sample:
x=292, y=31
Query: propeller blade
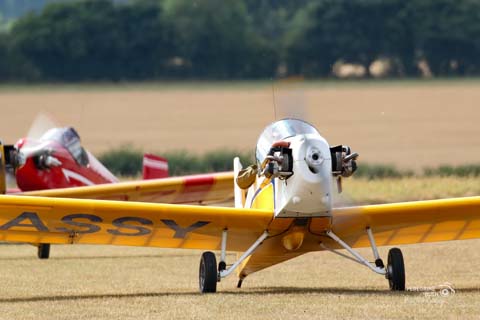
x=40, y=125
x=290, y=100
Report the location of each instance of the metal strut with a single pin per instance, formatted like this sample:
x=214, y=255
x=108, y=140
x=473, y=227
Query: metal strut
x=223, y=253
x=340, y=254
x=222, y=265
x=372, y=243
x=245, y=255
x=358, y=258
x=378, y=260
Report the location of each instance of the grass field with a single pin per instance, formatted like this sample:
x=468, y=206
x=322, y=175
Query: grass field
x=411, y=124
x=134, y=283
x=101, y=282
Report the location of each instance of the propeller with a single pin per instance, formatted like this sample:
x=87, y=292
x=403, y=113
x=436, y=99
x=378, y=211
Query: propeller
x=290, y=101
x=27, y=145
x=41, y=124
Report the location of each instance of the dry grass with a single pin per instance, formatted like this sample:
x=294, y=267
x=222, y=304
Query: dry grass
x=142, y=283
x=410, y=124
x=363, y=191
x=101, y=282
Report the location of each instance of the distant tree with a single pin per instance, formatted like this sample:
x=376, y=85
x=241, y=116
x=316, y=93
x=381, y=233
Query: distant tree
x=12, y=9
x=359, y=28
x=362, y=31
x=2, y=21
x=310, y=44
x=214, y=39
x=69, y=41
x=270, y=18
x=94, y=40
x=449, y=35
x=4, y=58
x=91, y=40
x=147, y=40
x=399, y=37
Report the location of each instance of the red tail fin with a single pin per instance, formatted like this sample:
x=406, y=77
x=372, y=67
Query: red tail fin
x=154, y=167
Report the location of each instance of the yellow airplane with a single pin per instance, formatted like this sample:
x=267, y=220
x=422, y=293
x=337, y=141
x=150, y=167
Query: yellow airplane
x=283, y=209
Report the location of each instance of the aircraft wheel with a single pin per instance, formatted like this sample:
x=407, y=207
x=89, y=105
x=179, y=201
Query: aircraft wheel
x=208, y=273
x=43, y=250
x=396, y=270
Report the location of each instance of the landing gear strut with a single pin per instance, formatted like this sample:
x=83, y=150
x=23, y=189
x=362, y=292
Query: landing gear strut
x=395, y=270
x=209, y=276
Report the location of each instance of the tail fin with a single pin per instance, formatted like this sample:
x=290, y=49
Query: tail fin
x=239, y=193
x=154, y=167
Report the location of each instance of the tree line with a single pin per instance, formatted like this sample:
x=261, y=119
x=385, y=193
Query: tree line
x=104, y=40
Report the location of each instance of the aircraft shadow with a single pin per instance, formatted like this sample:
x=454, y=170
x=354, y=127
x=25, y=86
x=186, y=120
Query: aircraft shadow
x=96, y=257
x=337, y=290
x=239, y=292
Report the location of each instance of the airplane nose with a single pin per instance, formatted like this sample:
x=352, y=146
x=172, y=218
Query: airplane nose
x=314, y=159
x=307, y=192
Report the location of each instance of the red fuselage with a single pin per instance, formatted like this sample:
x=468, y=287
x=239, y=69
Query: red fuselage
x=64, y=173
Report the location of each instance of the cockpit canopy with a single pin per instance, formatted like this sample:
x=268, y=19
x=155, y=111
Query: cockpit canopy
x=280, y=130
x=70, y=140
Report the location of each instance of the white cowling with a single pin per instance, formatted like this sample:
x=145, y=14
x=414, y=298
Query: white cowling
x=308, y=192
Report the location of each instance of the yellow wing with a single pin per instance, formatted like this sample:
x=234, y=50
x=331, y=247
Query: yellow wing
x=409, y=222
x=392, y=224
x=206, y=188
x=69, y=221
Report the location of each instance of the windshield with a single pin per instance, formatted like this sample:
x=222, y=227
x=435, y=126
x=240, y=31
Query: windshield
x=278, y=131
x=70, y=140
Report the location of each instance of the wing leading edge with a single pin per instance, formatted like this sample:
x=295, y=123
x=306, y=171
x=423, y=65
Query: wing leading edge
x=69, y=221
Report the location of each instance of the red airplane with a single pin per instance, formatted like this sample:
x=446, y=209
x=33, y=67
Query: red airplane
x=57, y=161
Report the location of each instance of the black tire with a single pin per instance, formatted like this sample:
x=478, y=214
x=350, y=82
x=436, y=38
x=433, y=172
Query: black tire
x=396, y=270
x=208, y=273
x=43, y=251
